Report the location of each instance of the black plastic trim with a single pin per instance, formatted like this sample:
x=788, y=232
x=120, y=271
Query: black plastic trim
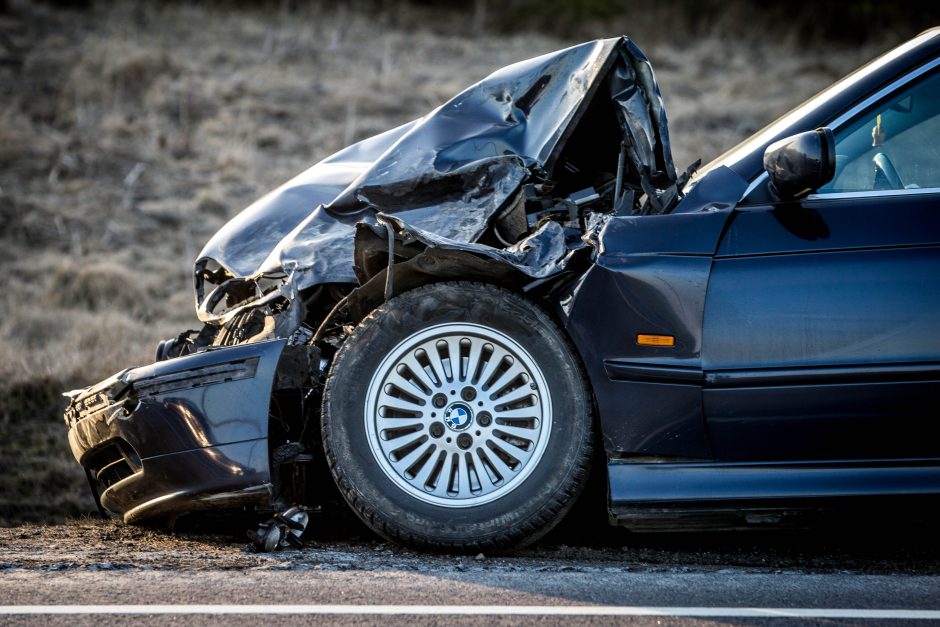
x=730, y=482
x=882, y=373
x=630, y=371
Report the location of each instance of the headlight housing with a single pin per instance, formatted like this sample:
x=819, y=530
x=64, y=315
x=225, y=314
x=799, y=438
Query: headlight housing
x=220, y=295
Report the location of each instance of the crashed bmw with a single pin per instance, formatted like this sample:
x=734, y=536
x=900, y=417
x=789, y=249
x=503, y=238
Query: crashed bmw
x=454, y=316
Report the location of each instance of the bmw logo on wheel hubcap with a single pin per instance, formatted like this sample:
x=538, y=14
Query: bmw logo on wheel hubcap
x=458, y=416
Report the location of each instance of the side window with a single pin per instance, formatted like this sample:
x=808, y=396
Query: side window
x=895, y=145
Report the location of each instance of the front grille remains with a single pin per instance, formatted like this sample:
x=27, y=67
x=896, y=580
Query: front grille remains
x=200, y=377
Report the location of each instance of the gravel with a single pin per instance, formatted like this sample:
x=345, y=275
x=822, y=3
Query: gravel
x=99, y=545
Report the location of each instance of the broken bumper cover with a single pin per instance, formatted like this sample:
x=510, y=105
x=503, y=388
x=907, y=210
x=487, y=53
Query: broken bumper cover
x=180, y=435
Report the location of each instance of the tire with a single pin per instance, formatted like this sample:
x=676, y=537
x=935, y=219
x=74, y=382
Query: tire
x=465, y=461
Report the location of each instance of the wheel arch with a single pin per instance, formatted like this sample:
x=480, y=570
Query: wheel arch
x=439, y=265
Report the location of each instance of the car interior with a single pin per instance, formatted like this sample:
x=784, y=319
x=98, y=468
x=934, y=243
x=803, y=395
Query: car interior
x=892, y=146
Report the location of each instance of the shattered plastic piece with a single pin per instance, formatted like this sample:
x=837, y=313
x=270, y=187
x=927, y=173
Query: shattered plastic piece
x=281, y=531
x=584, y=196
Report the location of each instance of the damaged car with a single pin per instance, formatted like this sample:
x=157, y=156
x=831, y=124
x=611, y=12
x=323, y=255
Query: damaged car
x=452, y=323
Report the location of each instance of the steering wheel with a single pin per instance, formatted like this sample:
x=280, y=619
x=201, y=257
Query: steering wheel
x=886, y=175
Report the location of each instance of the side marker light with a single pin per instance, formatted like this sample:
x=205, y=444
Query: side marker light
x=644, y=339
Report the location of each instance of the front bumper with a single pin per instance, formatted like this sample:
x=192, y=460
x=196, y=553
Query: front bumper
x=180, y=435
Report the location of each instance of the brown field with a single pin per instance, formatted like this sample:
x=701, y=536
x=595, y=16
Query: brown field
x=130, y=132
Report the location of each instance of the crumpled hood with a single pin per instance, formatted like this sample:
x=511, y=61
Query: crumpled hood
x=449, y=172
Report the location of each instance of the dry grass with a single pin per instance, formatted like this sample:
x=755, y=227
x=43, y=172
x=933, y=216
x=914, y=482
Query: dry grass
x=131, y=131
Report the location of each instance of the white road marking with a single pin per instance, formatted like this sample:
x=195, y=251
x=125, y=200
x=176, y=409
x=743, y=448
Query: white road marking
x=467, y=610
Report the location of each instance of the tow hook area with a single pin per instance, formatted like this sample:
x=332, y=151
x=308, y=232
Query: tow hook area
x=282, y=530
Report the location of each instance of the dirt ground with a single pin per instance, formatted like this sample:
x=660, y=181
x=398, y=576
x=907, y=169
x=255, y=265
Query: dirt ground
x=95, y=545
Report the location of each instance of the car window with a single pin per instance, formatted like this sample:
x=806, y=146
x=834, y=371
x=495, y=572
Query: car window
x=895, y=145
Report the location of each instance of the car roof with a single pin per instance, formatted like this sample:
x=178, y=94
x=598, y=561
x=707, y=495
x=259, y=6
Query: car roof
x=746, y=159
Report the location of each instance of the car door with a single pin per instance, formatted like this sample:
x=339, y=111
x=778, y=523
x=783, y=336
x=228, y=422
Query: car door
x=821, y=335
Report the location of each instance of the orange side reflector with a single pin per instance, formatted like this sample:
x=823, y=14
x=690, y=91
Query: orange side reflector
x=655, y=340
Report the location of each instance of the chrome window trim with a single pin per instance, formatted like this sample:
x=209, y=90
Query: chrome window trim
x=837, y=124
x=881, y=93
x=875, y=193
x=754, y=185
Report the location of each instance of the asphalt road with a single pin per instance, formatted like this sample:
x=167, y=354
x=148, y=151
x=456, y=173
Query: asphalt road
x=56, y=574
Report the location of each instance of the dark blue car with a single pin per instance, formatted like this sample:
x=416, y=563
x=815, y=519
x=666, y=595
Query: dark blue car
x=455, y=321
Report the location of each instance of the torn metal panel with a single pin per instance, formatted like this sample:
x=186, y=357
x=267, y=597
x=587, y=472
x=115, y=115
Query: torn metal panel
x=248, y=239
x=642, y=118
x=543, y=253
x=449, y=173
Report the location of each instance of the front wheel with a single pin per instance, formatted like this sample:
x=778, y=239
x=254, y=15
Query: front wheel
x=455, y=417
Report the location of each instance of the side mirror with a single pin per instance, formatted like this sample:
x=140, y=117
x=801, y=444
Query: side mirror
x=801, y=164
